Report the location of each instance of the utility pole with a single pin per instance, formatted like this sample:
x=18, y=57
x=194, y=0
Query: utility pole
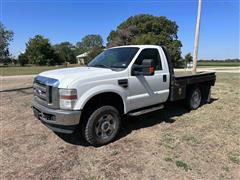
x=195, y=53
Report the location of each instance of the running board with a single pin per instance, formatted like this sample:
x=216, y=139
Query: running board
x=144, y=111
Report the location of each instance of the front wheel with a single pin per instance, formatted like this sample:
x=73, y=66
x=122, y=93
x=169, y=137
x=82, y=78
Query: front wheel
x=194, y=98
x=102, y=125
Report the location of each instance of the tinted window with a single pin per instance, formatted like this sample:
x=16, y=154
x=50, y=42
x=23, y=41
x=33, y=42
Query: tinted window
x=114, y=58
x=150, y=54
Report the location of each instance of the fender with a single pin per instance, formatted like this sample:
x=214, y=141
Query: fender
x=84, y=98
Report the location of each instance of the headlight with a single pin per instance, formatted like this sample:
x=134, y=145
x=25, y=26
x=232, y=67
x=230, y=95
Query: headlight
x=68, y=98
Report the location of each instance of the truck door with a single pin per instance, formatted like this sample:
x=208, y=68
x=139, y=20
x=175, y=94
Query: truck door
x=149, y=90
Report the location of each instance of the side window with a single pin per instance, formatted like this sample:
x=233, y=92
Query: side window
x=150, y=54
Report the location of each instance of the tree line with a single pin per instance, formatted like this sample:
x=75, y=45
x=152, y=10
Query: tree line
x=40, y=51
x=136, y=30
x=221, y=60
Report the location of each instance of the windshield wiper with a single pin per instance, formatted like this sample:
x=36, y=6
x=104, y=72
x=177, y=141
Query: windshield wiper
x=103, y=65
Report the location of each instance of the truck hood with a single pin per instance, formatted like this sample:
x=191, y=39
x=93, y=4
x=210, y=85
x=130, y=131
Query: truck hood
x=67, y=75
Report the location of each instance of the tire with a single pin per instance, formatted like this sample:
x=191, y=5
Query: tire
x=194, y=98
x=102, y=125
x=209, y=96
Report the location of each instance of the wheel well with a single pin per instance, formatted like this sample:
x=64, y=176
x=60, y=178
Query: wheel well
x=108, y=98
x=204, y=88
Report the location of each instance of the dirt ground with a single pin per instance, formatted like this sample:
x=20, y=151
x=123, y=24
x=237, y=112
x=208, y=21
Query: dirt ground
x=168, y=144
x=15, y=82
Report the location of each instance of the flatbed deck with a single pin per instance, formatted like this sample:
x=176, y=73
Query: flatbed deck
x=194, y=78
x=182, y=82
x=190, y=74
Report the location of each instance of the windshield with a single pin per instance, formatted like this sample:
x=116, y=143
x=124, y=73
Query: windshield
x=114, y=58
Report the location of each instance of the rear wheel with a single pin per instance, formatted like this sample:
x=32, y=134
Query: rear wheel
x=209, y=95
x=102, y=125
x=194, y=98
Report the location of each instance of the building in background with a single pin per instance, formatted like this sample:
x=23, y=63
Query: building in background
x=81, y=59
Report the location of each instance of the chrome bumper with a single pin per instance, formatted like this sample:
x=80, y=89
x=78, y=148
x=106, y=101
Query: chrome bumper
x=63, y=121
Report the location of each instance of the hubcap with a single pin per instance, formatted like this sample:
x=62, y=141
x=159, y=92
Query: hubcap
x=196, y=98
x=105, y=126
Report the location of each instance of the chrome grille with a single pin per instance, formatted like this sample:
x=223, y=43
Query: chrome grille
x=41, y=91
x=46, y=91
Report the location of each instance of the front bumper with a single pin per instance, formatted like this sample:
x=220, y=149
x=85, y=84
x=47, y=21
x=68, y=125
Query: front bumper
x=63, y=121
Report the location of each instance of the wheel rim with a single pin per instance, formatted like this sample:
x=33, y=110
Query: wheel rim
x=106, y=126
x=196, y=98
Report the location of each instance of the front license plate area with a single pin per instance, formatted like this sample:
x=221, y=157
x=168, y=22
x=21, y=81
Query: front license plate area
x=43, y=116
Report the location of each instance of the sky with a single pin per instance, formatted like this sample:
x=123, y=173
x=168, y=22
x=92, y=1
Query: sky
x=71, y=20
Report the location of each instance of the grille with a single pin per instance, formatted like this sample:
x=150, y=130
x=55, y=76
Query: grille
x=46, y=91
x=42, y=92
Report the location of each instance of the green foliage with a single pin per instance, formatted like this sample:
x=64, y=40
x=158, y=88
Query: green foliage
x=22, y=59
x=93, y=53
x=188, y=58
x=168, y=159
x=40, y=52
x=235, y=157
x=219, y=63
x=190, y=139
x=88, y=42
x=122, y=36
x=6, y=60
x=65, y=52
x=183, y=165
x=6, y=36
x=148, y=29
x=219, y=60
x=115, y=152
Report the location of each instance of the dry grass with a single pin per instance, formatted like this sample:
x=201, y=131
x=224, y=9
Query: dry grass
x=168, y=144
x=29, y=69
x=15, y=83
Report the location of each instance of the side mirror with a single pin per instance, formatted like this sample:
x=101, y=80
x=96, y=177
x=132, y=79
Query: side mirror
x=146, y=69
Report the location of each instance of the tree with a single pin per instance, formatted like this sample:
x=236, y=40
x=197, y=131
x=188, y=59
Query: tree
x=122, y=36
x=88, y=42
x=188, y=58
x=93, y=53
x=39, y=51
x=148, y=29
x=65, y=52
x=22, y=59
x=6, y=36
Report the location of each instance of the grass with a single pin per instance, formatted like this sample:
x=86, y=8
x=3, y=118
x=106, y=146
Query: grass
x=182, y=165
x=115, y=152
x=171, y=143
x=28, y=70
x=190, y=139
x=219, y=63
x=234, y=157
x=179, y=163
x=168, y=159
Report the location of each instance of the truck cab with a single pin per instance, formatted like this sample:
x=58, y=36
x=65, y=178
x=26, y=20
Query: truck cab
x=124, y=80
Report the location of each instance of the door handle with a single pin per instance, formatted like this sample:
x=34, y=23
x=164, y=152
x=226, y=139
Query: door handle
x=164, y=78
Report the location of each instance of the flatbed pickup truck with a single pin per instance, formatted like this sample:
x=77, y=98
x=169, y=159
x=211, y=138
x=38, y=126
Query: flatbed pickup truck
x=124, y=80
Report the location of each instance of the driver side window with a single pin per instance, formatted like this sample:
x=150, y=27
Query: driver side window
x=150, y=54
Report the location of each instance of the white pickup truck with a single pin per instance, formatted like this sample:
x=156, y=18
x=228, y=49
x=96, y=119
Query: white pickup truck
x=126, y=80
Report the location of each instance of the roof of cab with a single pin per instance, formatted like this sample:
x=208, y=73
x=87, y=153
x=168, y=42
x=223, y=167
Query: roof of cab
x=138, y=46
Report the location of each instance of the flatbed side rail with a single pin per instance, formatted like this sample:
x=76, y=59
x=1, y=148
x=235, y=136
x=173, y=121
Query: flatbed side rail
x=197, y=78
